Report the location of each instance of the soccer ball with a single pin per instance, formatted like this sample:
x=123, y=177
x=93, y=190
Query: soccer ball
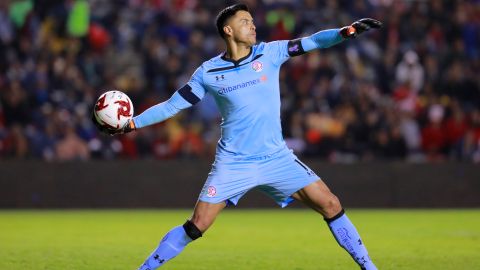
x=113, y=109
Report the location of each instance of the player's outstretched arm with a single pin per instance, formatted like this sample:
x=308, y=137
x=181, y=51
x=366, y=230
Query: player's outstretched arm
x=331, y=37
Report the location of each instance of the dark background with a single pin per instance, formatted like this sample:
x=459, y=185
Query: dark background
x=390, y=119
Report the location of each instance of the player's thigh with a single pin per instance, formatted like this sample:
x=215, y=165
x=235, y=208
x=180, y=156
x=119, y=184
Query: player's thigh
x=228, y=181
x=318, y=196
x=205, y=213
x=284, y=174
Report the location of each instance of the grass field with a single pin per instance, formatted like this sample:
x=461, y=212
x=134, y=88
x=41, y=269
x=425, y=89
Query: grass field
x=240, y=239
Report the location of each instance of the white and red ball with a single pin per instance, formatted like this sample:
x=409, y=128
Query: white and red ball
x=113, y=109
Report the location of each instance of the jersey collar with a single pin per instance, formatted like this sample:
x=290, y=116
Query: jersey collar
x=236, y=62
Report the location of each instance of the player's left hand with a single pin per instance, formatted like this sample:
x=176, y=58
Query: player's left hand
x=359, y=27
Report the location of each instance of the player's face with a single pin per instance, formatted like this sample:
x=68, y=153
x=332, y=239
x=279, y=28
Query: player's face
x=243, y=28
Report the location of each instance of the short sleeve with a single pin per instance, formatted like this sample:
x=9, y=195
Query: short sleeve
x=191, y=93
x=196, y=83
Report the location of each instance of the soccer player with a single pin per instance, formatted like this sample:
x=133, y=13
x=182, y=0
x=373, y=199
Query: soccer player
x=251, y=153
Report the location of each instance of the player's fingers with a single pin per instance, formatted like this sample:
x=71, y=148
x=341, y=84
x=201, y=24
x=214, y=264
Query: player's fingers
x=106, y=130
x=360, y=27
x=113, y=132
x=371, y=22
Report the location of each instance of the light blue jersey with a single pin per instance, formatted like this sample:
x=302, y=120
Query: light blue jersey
x=246, y=92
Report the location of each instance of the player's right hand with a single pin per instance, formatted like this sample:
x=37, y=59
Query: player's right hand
x=359, y=27
x=128, y=127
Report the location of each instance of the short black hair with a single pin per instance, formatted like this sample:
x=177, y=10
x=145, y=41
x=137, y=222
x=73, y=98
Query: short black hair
x=225, y=14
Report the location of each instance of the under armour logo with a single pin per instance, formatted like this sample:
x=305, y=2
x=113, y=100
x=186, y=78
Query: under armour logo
x=220, y=78
x=157, y=258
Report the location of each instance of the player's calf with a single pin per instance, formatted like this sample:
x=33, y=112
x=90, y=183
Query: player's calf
x=171, y=245
x=319, y=197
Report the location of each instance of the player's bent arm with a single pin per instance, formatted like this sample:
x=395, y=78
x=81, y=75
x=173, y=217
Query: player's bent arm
x=180, y=100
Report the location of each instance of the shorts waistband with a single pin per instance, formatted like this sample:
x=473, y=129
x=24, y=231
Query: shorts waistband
x=258, y=157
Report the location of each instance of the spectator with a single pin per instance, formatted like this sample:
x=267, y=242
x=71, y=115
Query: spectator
x=71, y=147
x=410, y=72
x=434, y=139
x=456, y=126
x=471, y=141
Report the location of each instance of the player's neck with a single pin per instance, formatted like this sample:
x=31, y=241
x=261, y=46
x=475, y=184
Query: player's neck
x=237, y=51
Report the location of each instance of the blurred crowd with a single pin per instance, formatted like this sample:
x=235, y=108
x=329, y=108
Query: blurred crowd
x=408, y=92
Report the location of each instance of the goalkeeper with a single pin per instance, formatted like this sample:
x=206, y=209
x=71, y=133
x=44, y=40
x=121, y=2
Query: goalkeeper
x=251, y=153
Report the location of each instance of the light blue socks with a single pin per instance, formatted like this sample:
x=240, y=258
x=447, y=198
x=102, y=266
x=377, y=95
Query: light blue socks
x=342, y=228
x=171, y=245
x=348, y=237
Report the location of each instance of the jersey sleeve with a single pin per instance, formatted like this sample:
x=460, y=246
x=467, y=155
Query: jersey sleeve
x=194, y=90
x=185, y=97
x=277, y=51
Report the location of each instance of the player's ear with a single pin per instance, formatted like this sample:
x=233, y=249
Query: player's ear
x=227, y=29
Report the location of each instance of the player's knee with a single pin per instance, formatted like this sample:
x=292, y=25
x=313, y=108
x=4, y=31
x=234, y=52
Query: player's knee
x=202, y=222
x=333, y=206
x=192, y=230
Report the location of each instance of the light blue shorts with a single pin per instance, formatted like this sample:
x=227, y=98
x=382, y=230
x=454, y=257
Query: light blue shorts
x=279, y=175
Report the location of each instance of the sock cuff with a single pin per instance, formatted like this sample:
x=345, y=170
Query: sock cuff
x=191, y=230
x=330, y=220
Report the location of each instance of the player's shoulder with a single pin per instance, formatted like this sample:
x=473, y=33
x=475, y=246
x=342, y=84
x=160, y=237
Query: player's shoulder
x=260, y=47
x=214, y=63
x=272, y=46
x=265, y=47
x=276, y=43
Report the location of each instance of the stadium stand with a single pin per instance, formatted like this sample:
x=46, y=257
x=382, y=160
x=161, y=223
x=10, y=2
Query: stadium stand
x=410, y=92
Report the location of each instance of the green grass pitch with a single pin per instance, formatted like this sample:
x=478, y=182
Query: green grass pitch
x=239, y=240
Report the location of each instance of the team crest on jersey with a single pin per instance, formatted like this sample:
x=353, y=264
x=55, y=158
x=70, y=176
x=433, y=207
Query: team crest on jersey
x=257, y=66
x=211, y=191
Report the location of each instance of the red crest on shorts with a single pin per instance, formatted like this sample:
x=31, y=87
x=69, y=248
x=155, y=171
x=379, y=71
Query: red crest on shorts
x=211, y=191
